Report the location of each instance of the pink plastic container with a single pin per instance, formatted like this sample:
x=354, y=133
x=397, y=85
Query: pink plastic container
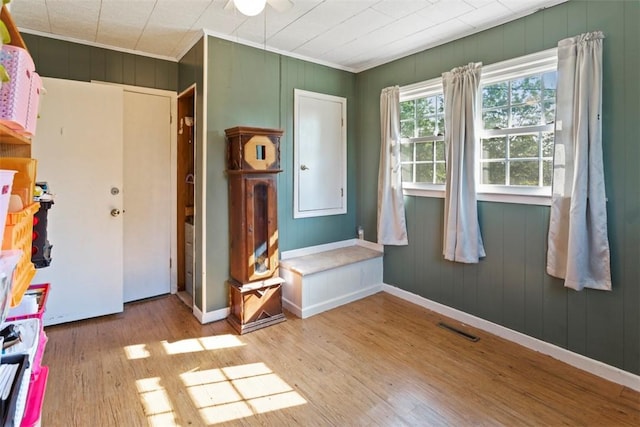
x=41, y=292
x=14, y=95
x=35, y=398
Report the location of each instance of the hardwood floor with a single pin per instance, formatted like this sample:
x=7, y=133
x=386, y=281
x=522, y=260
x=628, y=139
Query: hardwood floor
x=379, y=361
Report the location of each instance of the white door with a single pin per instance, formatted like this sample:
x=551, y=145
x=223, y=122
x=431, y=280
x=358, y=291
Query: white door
x=79, y=150
x=320, y=154
x=147, y=195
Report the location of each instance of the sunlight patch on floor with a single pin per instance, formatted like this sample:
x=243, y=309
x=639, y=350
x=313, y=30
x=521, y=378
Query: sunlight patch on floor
x=192, y=345
x=239, y=391
x=137, y=351
x=156, y=402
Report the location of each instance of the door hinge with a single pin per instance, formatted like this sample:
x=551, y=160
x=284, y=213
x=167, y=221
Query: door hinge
x=170, y=263
x=342, y=192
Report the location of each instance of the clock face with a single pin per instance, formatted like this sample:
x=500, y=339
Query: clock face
x=260, y=152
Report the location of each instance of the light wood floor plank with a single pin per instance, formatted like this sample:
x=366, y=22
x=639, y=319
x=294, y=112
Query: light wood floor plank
x=380, y=361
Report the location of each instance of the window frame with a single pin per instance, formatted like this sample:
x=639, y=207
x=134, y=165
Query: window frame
x=536, y=63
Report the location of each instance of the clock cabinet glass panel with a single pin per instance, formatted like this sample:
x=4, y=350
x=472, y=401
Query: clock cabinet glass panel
x=253, y=227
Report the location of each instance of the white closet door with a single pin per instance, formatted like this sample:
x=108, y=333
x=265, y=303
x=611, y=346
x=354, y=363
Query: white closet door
x=78, y=145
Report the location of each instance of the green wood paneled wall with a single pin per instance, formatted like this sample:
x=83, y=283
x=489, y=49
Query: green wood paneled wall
x=251, y=87
x=302, y=232
x=72, y=61
x=510, y=286
x=191, y=69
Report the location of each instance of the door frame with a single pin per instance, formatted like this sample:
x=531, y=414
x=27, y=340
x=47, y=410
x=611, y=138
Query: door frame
x=173, y=97
x=190, y=92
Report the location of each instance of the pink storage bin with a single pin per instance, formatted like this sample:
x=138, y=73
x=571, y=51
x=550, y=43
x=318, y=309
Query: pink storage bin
x=41, y=293
x=30, y=330
x=35, y=399
x=14, y=94
x=34, y=102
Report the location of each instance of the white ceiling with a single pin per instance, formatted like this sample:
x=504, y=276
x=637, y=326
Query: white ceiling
x=348, y=34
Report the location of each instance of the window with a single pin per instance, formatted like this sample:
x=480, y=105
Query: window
x=516, y=145
x=422, y=131
x=516, y=130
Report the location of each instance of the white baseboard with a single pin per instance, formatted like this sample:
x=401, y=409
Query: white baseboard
x=211, y=316
x=330, y=304
x=328, y=247
x=579, y=361
x=293, y=308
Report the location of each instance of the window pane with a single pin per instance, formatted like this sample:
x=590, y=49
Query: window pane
x=496, y=119
x=440, y=130
x=424, y=172
x=426, y=126
x=425, y=106
x=494, y=148
x=547, y=172
x=549, y=111
x=523, y=146
x=440, y=104
x=495, y=95
x=439, y=150
x=493, y=173
x=407, y=110
x=547, y=144
x=549, y=81
x=526, y=90
x=424, y=151
x=441, y=173
x=523, y=172
x=407, y=172
x=526, y=115
x=406, y=152
x=407, y=129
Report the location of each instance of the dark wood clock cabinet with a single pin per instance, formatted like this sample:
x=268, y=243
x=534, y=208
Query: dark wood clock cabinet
x=253, y=162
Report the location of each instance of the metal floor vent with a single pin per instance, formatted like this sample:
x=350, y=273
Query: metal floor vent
x=459, y=332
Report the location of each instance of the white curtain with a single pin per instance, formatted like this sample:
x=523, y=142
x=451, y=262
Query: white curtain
x=578, y=245
x=392, y=229
x=462, y=238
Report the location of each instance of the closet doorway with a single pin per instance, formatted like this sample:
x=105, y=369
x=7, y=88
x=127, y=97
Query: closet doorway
x=185, y=186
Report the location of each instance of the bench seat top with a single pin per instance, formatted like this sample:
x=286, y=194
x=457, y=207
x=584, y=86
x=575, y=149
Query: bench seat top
x=327, y=260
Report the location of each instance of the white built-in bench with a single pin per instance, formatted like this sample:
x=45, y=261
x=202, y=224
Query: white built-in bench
x=323, y=277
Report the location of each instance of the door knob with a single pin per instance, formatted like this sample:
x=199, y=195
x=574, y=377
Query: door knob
x=304, y=167
x=115, y=212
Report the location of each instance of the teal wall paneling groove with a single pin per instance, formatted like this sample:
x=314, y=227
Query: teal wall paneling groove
x=510, y=286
